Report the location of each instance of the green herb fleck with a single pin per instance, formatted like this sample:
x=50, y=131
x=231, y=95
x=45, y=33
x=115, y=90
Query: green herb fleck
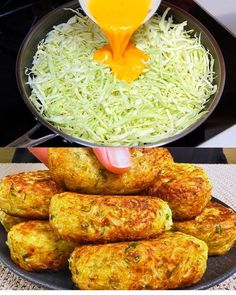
x=133, y=257
x=131, y=247
x=137, y=258
x=174, y=228
x=12, y=191
x=103, y=230
x=86, y=208
x=167, y=216
x=103, y=173
x=25, y=257
x=218, y=229
x=84, y=225
x=51, y=217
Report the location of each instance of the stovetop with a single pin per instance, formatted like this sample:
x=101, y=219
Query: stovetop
x=18, y=16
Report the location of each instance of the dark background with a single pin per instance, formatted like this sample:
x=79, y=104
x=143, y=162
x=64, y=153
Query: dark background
x=18, y=16
x=180, y=155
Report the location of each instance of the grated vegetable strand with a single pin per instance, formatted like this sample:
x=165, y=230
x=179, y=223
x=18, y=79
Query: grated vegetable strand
x=83, y=99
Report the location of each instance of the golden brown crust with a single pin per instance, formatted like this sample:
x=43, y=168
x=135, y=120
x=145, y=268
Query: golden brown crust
x=93, y=218
x=173, y=260
x=216, y=225
x=185, y=187
x=8, y=221
x=78, y=170
x=34, y=246
x=28, y=194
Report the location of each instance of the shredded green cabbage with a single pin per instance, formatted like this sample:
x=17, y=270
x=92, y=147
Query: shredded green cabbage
x=83, y=99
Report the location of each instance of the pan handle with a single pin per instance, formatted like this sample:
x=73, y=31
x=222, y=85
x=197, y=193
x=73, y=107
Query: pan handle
x=25, y=140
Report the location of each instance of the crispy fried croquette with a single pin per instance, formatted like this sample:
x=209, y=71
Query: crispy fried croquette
x=173, y=260
x=93, y=218
x=34, y=246
x=186, y=188
x=78, y=169
x=28, y=194
x=8, y=221
x=216, y=226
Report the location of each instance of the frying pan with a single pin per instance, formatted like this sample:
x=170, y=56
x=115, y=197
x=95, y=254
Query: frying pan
x=60, y=15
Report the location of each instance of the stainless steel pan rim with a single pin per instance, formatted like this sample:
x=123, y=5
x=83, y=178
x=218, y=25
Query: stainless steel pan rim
x=24, y=52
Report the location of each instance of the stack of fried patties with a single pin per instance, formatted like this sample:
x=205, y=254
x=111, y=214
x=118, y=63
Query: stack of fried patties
x=119, y=226
x=24, y=201
x=187, y=189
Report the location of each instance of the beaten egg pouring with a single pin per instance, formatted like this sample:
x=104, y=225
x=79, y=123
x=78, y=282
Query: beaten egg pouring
x=118, y=20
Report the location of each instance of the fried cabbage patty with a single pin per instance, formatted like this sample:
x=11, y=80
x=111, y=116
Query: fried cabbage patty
x=186, y=188
x=8, y=220
x=78, y=169
x=216, y=226
x=93, y=218
x=34, y=246
x=173, y=260
x=28, y=194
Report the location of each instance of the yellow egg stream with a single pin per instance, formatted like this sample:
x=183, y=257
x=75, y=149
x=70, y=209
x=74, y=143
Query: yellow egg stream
x=119, y=19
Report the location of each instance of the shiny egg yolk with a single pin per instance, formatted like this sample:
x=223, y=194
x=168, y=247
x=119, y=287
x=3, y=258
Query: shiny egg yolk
x=119, y=19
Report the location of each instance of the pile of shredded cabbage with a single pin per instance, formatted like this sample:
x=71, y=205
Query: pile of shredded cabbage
x=83, y=99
